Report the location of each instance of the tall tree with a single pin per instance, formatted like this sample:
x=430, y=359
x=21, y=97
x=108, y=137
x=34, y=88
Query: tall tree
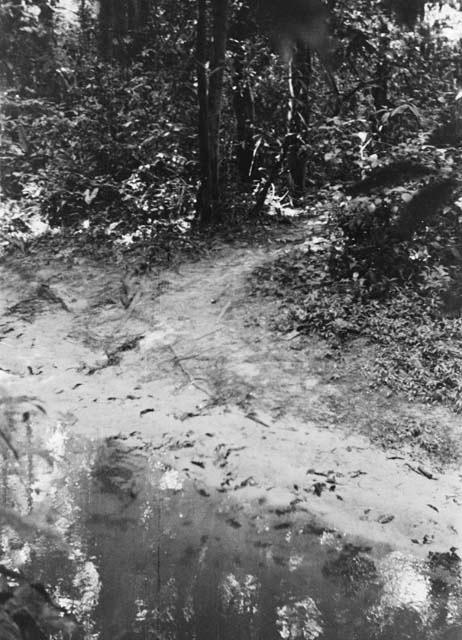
x=291, y=21
x=204, y=195
x=298, y=115
x=243, y=30
x=210, y=75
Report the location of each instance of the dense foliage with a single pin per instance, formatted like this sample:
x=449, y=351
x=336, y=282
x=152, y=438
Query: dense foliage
x=150, y=117
x=101, y=112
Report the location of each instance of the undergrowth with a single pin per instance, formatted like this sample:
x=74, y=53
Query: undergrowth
x=416, y=349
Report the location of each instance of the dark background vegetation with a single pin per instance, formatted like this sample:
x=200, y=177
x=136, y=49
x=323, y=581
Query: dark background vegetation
x=152, y=123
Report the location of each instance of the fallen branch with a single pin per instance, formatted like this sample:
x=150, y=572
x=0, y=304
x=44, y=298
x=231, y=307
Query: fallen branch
x=252, y=416
x=421, y=471
x=177, y=360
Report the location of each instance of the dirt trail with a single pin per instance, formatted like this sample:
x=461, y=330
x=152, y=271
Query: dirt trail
x=186, y=359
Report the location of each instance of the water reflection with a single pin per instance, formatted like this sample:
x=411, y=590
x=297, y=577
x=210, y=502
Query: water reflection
x=300, y=619
x=151, y=554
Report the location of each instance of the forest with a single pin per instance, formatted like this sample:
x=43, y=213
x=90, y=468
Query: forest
x=148, y=125
x=225, y=210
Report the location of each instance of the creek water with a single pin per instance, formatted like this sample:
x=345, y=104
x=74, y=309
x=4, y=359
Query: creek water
x=147, y=552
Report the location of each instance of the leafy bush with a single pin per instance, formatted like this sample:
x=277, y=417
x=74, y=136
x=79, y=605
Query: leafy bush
x=388, y=270
x=391, y=236
x=111, y=151
x=417, y=350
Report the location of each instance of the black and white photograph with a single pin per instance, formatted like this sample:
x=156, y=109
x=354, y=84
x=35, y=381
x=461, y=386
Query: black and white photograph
x=230, y=320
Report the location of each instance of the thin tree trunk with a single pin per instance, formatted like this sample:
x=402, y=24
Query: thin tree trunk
x=106, y=28
x=204, y=195
x=244, y=110
x=243, y=29
x=84, y=40
x=210, y=95
x=220, y=37
x=298, y=114
x=458, y=112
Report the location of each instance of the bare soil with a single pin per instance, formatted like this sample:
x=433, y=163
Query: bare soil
x=187, y=359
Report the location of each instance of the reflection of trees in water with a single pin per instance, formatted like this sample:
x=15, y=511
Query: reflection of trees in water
x=404, y=584
x=416, y=597
x=352, y=567
x=299, y=619
x=39, y=488
x=355, y=587
x=172, y=562
x=151, y=558
x=445, y=578
x=240, y=595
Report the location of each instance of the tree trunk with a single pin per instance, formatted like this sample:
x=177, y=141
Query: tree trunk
x=244, y=110
x=210, y=94
x=217, y=73
x=204, y=195
x=458, y=108
x=298, y=115
x=106, y=28
x=380, y=89
x=242, y=30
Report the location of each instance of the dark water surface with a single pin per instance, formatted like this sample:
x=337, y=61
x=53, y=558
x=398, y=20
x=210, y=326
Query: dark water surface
x=154, y=555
